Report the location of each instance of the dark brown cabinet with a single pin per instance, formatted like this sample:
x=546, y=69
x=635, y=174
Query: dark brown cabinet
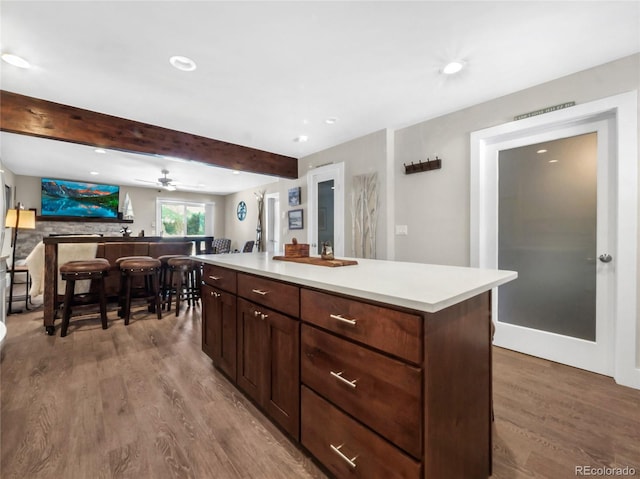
x=268, y=362
x=369, y=389
x=219, y=328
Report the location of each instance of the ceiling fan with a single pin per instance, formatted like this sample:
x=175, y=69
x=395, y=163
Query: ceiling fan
x=164, y=181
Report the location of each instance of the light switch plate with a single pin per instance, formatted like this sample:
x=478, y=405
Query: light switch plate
x=402, y=230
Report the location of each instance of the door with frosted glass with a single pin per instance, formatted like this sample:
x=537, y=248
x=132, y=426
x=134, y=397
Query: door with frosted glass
x=324, y=219
x=552, y=228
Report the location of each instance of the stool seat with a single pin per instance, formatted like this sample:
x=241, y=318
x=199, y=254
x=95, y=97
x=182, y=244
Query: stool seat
x=72, y=271
x=180, y=262
x=140, y=263
x=128, y=258
x=92, y=266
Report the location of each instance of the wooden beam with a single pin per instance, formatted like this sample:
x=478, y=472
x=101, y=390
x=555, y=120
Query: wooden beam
x=36, y=117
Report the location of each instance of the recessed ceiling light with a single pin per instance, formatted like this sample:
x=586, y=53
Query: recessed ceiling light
x=15, y=60
x=235, y=172
x=541, y=151
x=452, y=67
x=331, y=120
x=183, y=63
x=553, y=161
x=301, y=139
x=100, y=151
x=94, y=173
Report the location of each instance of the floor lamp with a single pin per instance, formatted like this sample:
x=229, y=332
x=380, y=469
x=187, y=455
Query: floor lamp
x=18, y=218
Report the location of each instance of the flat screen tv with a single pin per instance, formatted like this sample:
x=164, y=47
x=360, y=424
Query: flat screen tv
x=79, y=199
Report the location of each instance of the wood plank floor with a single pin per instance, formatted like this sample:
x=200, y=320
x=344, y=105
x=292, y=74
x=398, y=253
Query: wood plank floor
x=143, y=401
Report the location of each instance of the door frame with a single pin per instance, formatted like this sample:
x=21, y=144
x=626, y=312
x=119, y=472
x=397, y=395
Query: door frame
x=596, y=356
x=272, y=221
x=622, y=109
x=333, y=172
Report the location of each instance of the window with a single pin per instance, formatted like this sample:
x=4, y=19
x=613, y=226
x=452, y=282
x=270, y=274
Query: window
x=182, y=218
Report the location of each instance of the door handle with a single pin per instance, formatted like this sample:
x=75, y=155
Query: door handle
x=605, y=258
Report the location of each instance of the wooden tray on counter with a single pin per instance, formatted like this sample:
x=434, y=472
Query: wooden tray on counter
x=332, y=263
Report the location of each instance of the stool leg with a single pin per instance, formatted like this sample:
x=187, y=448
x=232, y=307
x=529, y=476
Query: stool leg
x=103, y=303
x=127, y=299
x=68, y=299
x=179, y=291
x=121, y=294
x=157, y=293
x=164, y=285
x=170, y=290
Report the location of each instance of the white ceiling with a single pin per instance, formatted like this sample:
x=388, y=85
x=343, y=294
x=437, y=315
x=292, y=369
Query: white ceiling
x=271, y=71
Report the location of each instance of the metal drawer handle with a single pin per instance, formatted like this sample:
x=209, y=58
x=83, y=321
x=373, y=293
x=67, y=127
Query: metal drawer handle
x=215, y=294
x=337, y=450
x=339, y=317
x=260, y=292
x=346, y=381
x=215, y=278
x=256, y=314
x=264, y=316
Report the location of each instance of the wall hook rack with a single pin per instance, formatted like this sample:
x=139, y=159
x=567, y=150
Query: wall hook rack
x=423, y=166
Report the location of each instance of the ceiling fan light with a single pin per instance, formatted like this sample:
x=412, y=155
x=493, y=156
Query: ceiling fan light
x=452, y=67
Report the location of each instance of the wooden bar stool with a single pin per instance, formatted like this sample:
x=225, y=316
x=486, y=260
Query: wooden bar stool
x=123, y=283
x=166, y=286
x=187, y=281
x=95, y=269
x=147, y=268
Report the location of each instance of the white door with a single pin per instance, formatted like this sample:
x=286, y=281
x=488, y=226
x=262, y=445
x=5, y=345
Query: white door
x=552, y=225
x=273, y=223
x=326, y=208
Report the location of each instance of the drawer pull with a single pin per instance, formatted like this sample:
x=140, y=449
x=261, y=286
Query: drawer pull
x=215, y=294
x=215, y=278
x=264, y=316
x=346, y=381
x=260, y=292
x=256, y=314
x=339, y=317
x=337, y=450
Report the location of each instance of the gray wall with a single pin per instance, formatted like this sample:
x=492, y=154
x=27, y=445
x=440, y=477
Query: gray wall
x=435, y=205
x=27, y=192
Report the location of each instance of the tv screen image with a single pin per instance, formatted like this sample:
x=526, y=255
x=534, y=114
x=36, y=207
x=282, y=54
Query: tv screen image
x=76, y=198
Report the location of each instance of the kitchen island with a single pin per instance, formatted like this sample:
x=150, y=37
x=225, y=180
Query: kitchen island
x=380, y=369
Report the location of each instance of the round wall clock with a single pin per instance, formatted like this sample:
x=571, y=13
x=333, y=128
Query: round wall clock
x=242, y=210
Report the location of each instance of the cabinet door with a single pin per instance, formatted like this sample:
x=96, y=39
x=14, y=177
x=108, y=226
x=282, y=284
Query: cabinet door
x=252, y=358
x=210, y=316
x=282, y=394
x=219, y=329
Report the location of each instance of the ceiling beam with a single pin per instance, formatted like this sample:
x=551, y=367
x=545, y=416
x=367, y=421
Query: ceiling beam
x=36, y=117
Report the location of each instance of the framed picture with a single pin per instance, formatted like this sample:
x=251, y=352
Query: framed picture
x=295, y=220
x=294, y=196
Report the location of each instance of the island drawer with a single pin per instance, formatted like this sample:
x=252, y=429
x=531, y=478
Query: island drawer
x=382, y=392
x=218, y=277
x=388, y=330
x=267, y=292
x=347, y=448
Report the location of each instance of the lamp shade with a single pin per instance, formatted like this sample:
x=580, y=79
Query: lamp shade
x=26, y=219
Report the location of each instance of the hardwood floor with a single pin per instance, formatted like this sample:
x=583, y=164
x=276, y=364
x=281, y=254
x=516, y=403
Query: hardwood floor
x=143, y=401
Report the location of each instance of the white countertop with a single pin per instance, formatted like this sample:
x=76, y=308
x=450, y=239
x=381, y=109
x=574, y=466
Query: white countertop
x=423, y=287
